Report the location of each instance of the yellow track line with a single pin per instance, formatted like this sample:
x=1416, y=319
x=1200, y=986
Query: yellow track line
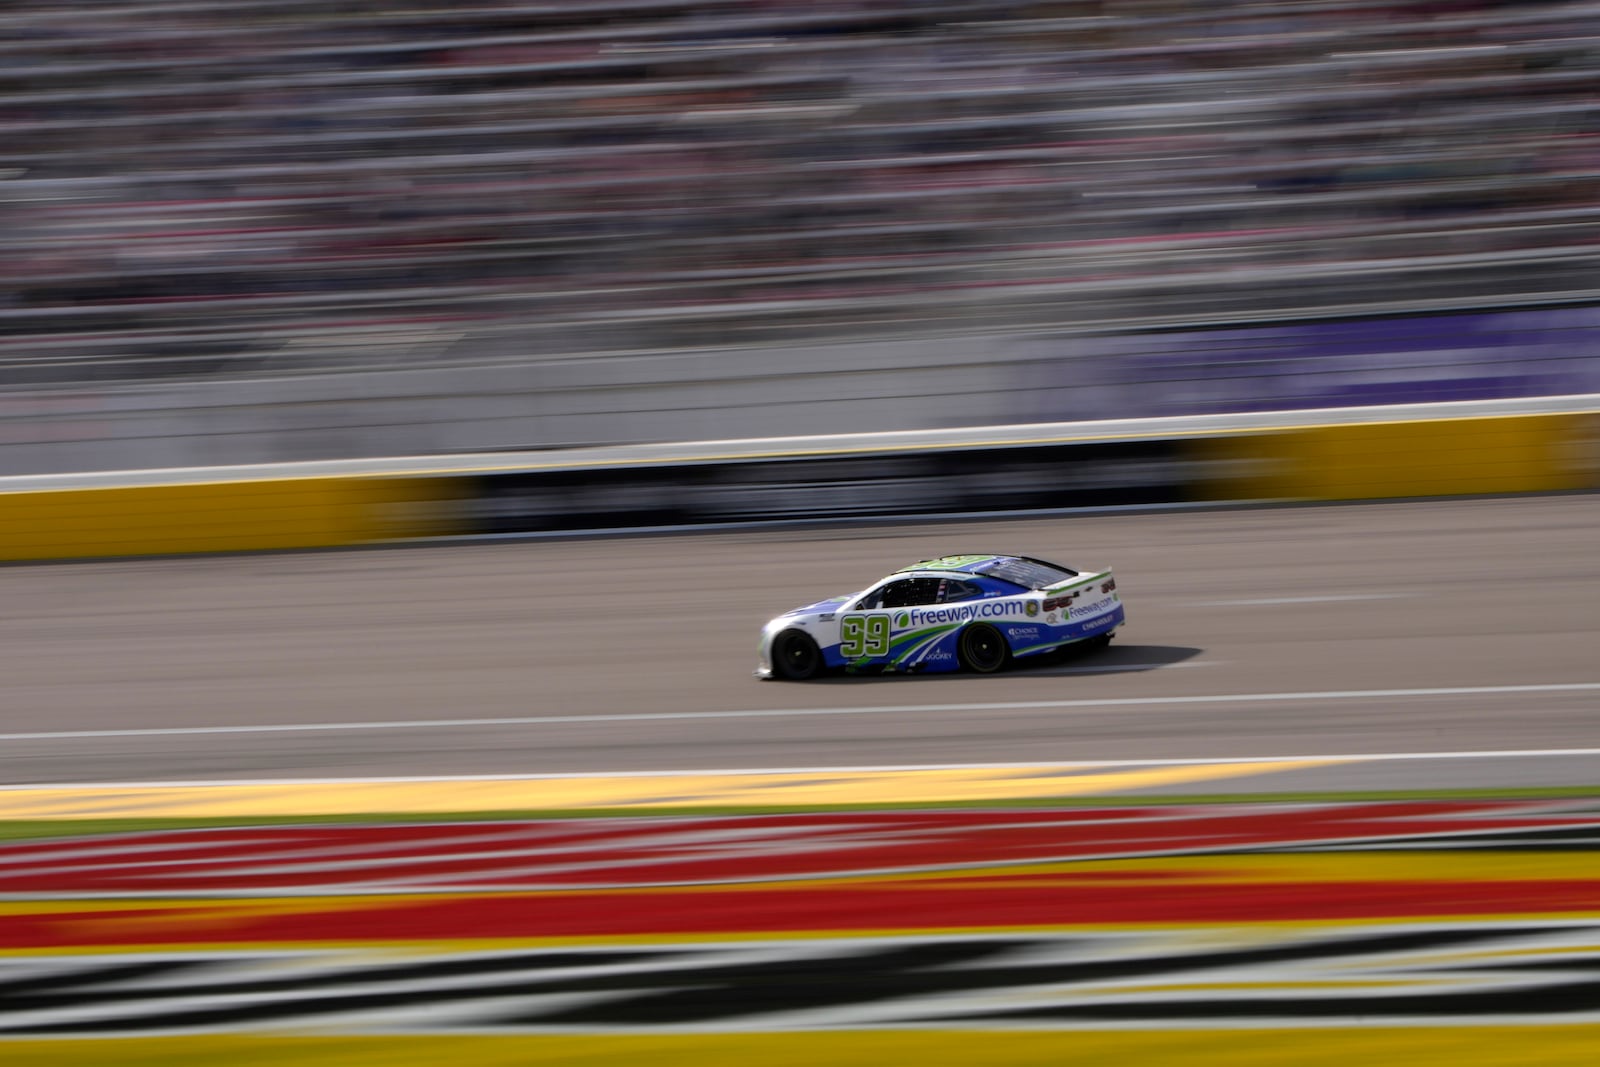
x=806, y=788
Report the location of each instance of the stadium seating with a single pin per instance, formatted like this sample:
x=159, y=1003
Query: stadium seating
x=211, y=187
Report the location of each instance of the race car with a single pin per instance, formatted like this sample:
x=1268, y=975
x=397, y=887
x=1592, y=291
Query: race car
x=975, y=612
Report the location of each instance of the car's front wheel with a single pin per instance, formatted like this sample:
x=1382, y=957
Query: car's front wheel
x=983, y=650
x=795, y=656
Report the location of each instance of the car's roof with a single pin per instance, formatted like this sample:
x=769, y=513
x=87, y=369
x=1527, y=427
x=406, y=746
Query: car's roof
x=953, y=564
x=1028, y=572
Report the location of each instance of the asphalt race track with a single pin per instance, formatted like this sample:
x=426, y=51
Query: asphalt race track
x=1426, y=629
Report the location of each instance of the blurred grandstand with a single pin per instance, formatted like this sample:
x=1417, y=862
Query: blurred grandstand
x=224, y=187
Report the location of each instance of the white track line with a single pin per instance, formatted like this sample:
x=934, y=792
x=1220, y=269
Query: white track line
x=800, y=713
x=1330, y=598
x=1122, y=668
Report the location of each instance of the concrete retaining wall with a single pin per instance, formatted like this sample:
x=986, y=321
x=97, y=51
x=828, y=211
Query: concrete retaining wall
x=985, y=379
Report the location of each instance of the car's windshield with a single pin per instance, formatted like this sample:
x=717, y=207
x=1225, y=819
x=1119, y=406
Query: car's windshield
x=1028, y=573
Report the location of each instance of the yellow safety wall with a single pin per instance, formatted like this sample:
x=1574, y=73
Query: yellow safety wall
x=219, y=516
x=1441, y=457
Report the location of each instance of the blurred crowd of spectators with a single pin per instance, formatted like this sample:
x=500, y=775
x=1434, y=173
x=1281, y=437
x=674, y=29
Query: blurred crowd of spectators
x=189, y=181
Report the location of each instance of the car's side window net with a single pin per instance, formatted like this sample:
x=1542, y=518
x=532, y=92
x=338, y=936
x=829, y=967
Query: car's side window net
x=911, y=592
x=918, y=592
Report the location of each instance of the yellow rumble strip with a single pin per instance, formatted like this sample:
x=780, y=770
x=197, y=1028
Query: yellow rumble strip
x=1467, y=1046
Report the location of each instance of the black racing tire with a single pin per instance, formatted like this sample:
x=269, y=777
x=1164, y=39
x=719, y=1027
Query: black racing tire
x=795, y=656
x=982, y=649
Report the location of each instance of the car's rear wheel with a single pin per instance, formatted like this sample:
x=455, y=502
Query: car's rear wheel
x=795, y=656
x=982, y=649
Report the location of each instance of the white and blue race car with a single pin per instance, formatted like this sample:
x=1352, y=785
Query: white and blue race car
x=977, y=613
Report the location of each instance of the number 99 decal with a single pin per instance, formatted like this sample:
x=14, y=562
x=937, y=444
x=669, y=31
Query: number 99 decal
x=864, y=635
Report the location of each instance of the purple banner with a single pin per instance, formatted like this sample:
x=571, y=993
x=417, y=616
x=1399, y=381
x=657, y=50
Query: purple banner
x=1421, y=359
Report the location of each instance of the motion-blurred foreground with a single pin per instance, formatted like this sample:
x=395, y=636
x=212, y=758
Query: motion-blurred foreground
x=254, y=189
x=383, y=808
x=862, y=938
